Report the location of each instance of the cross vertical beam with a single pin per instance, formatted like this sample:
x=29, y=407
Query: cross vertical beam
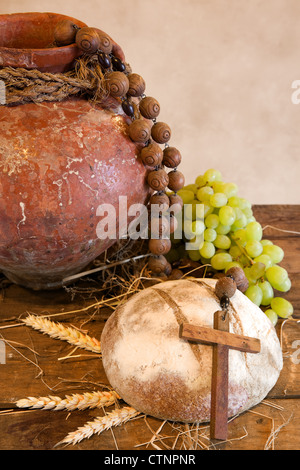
x=219, y=383
x=221, y=340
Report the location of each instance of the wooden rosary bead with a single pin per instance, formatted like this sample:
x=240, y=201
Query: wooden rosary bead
x=161, y=132
x=105, y=42
x=152, y=155
x=157, y=264
x=239, y=277
x=176, y=203
x=158, y=180
x=117, y=64
x=104, y=60
x=127, y=108
x=65, y=33
x=149, y=107
x=159, y=246
x=171, y=157
x=175, y=274
x=176, y=180
x=117, y=83
x=225, y=287
x=159, y=227
x=161, y=200
x=168, y=270
x=87, y=40
x=136, y=85
x=173, y=223
x=139, y=130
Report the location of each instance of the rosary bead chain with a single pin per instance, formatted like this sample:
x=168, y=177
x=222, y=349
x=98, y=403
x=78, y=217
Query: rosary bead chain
x=126, y=86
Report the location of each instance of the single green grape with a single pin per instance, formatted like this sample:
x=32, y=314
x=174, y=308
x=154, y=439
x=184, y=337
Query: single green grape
x=254, y=248
x=230, y=189
x=212, y=221
x=204, y=193
x=220, y=260
x=286, y=285
x=244, y=203
x=240, y=222
x=240, y=236
x=274, y=252
x=191, y=187
x=267, y=291
x=207, y=209
x=248, y=276
x=257, y=270
x=200, y=181
x=235, y=252
x=244, y=260
x=254, y=293
x=282, y=307
x=254, y=231
x=234, y=201
x=272, y=316
x=265, y=242
x=248, y=212
x=218, y=200
x=186, y=195
x=222, y=241
x=198, y=227
x=227, y=215
x=265, y=259
x=210, y=235
x=208, y=250
x=223, y=229
x=277, y=276
x=217, y=186
x=212, y=175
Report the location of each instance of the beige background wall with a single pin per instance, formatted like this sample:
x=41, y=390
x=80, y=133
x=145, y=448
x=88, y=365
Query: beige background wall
x=222, y=71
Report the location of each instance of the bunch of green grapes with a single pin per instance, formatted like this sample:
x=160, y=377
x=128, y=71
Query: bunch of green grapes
x=231, y=236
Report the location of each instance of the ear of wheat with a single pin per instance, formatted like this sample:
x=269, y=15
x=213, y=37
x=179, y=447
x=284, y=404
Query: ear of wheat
x=65, y=333
x=100, y=424
x=72, y=402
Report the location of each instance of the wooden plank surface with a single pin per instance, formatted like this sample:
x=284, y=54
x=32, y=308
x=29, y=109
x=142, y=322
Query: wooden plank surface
x=33, y=367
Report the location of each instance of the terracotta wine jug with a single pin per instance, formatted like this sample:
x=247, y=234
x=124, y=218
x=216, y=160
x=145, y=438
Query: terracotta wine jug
x=58, y=162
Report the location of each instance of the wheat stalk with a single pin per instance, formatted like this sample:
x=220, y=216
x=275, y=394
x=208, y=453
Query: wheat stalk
x=98, y=425
x=72, y=402
x=65, y=333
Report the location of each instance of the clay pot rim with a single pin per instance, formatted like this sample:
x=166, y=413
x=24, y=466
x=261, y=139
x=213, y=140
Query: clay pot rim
x=41, y=49
x=45, y=59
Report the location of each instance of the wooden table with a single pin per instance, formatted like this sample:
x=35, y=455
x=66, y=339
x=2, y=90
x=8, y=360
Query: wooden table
x=33, y=368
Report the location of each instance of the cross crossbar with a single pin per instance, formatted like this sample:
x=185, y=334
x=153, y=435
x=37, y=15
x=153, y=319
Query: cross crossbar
x=211, y=336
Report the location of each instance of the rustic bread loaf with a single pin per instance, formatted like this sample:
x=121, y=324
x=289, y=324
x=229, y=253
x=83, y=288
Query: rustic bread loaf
x=162, y=375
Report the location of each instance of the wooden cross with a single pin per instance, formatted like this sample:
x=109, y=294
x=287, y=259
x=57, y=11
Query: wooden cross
x=221, y=340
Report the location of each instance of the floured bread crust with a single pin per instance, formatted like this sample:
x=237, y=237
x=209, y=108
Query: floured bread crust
x=162, y=375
